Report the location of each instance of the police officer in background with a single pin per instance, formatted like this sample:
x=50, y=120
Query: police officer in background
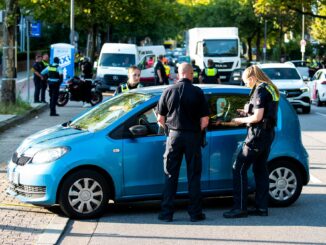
x=133, y=81
x=183, y=110
x=54, y=73
x=260, y=115
x=159, y=72
x=210, y=74
x=196, y=70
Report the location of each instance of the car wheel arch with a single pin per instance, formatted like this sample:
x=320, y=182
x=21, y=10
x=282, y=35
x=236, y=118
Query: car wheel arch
x=294, y=162
x=101, y=171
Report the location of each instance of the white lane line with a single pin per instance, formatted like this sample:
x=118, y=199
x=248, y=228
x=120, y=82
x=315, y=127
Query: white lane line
x=321, y=114
x=315, y=180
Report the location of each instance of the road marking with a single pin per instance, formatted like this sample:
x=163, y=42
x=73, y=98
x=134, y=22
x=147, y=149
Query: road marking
x=315, y=180
x=321, y=114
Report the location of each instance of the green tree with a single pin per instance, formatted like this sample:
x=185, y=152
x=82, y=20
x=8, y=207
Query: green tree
x=8, y=88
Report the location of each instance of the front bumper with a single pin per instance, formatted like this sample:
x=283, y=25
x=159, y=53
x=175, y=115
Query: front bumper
x=297, y=98
x=32, y=183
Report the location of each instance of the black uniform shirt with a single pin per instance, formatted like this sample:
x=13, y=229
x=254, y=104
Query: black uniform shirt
x=261, y=98
x=159, y=66
x=183, y=104
x=37, y=66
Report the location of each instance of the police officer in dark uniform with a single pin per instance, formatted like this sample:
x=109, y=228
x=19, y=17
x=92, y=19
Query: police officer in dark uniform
x=183, y=110
x=210, y=74
x=133, y=81
x=159, y=72
x=54, y=73
x=196, y=70
x=260, y=115
x=38, y=88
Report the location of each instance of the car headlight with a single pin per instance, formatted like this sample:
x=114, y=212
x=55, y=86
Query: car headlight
x=304, y=89
x=47, y=155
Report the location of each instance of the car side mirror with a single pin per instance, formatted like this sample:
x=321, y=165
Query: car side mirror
x=305, y=78
x=138, y=130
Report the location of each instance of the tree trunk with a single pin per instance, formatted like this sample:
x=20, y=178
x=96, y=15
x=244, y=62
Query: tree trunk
x=8, y=85
x=258, y=40
x=249, y=39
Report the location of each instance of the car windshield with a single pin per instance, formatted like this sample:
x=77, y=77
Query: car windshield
x=108, y=112
x=282, y=73
x=220, y=48
x=117, y=60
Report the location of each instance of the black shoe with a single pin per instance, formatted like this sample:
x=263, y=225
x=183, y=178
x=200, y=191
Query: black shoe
x=165, y=218
x=198, y=217
x=235, y=213
x=258, y=212
x=54, y=115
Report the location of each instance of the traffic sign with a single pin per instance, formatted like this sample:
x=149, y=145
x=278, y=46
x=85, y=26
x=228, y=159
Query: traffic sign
x=35, y=29
x=303, y=42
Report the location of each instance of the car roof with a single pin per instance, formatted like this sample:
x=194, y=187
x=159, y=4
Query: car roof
x=276, y=65
x=207, y=88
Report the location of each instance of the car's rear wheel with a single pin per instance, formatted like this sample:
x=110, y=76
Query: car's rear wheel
x=285, y=183
x=84, y=194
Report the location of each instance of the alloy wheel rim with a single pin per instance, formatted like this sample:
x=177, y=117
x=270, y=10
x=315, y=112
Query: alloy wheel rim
x=282, y=184
x=85, y=195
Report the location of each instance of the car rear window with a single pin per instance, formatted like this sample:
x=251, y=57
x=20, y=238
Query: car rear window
x=282, y=73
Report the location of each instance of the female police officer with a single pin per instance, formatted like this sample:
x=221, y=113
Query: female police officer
x=260, y=115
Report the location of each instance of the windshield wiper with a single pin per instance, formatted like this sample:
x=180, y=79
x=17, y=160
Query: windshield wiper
x=76, y=127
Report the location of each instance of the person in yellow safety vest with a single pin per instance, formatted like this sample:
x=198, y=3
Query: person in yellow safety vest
x=313, y=66
x=167, y=70
x=210, y=75
x=196, y=71
x=133, y=81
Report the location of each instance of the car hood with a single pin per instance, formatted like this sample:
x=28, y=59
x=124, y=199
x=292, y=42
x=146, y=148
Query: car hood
x=51, y=137
x=289, y=84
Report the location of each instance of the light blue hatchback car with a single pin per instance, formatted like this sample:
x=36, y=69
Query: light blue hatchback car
x=115, y=151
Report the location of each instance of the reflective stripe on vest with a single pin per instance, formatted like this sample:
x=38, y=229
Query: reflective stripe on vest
x=45, y=63
x=272, y=91
x=167, y=70
x=210, y=72
x=124, y=87
x=196, y=74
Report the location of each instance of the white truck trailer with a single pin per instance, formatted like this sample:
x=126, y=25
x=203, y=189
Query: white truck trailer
x=221, y=44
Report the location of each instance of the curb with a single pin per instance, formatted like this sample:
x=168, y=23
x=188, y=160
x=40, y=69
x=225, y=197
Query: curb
x=10, y=122
x=53, y=231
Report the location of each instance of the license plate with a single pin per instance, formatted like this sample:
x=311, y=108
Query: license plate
x=14, y=177
x=113, y=88
x=222, y=77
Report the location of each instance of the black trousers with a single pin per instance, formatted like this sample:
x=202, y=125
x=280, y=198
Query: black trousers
x=44, y=85
x=177, y=145
x=254, y=151
x=54, y=94
x=37, y=89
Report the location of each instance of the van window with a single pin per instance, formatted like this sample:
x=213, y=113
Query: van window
x=117, y=60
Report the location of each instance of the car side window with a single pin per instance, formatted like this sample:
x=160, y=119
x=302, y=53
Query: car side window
x=223, y=108
x=147, y=118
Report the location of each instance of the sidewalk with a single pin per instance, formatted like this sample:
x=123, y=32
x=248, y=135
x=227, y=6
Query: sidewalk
x=21, y=223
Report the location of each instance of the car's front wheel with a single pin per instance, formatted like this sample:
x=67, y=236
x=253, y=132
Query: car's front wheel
x=319, y=103
x=285, y=183
x=306, y=110
x=84, y=194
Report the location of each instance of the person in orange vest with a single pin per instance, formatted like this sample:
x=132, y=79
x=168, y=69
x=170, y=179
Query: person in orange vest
x=167, y=72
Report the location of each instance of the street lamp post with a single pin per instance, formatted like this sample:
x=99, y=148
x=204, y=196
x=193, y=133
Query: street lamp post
x=265, y=41
x=72, y=23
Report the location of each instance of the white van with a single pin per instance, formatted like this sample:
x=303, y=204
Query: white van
x=114, y=60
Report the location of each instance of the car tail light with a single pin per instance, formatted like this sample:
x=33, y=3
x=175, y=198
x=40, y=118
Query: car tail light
x=323, y=82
